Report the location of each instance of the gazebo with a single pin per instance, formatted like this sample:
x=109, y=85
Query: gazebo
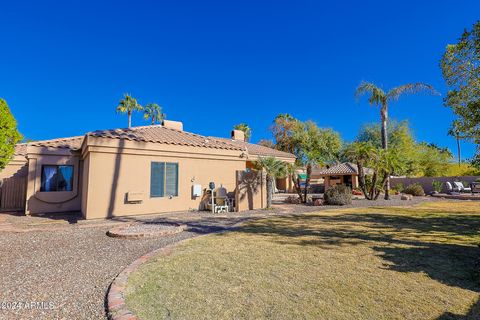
x=343, y=173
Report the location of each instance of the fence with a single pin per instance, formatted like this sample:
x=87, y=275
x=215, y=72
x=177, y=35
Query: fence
x=12, y=191
x=426, y=182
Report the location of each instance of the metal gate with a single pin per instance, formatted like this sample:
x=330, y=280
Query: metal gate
x=13, y=190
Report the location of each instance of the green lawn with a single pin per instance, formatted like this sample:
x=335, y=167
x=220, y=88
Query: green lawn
x=368, y=263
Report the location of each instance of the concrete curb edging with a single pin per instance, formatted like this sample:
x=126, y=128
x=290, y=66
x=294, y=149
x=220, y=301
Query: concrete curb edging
x=118, y=232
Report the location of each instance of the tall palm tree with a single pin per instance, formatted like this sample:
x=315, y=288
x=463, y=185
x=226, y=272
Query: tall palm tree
x=245, y=128
x=153, y=112
x=378, y=97
x=455, y=132
x=127, y=105
x=274, y=168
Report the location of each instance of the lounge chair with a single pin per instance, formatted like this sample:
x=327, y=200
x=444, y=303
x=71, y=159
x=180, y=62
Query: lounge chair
x=451, y=189
x=461, y=188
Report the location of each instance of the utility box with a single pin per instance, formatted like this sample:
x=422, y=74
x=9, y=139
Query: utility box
x=196, y=190
x=134, y=197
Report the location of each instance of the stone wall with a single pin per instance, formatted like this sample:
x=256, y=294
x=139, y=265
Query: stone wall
x=426, y=182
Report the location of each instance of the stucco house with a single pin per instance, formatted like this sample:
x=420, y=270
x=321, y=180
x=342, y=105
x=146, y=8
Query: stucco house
x=140, y=170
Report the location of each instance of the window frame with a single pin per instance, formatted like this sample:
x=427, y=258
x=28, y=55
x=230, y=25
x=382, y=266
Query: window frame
x=57, y=166
x=164, y=189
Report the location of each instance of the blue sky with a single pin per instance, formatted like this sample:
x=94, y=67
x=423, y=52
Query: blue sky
x=66, y=64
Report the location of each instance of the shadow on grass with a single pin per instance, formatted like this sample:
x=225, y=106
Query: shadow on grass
x=472, y=314
x=442, y=246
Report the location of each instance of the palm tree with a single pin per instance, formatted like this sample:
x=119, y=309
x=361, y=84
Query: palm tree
x=154, y=112
x=378, y=97
x=362, y=154
x=274, y=168
x=455, y=132
x=127, y=105
x=245, y=128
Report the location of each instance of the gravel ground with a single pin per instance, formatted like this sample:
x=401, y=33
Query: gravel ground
x=72, y=267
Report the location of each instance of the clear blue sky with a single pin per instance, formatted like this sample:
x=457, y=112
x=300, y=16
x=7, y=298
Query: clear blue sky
x=66, y=64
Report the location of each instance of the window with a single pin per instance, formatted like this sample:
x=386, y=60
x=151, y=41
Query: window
x=57, y=178
x=164, y=179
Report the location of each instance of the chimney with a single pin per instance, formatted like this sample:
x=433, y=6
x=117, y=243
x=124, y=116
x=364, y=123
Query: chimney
x=238, y=135
x=176, y=125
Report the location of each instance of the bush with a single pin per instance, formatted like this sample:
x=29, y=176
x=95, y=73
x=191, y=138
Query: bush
x=437, y=185
x=398, y=187
x=415, y=189
x=338, y=195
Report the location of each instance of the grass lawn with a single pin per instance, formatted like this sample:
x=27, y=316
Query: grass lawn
x=362, y=263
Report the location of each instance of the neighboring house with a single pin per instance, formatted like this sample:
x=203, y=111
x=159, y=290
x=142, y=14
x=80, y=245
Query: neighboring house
x=343, y=173
x=141, y=170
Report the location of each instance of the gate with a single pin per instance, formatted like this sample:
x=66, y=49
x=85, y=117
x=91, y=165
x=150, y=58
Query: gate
x=13, y=190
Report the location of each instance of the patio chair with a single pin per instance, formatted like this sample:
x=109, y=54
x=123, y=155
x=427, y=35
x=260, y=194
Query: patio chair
x=461, y=188
x=451, y=189
x=221, y=201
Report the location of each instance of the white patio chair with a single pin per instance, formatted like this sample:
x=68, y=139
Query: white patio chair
x=461, y=188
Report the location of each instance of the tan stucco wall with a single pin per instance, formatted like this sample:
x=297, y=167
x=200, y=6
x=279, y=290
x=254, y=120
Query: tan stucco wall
x=252, y=191
x=117, y=167
x=51, y=202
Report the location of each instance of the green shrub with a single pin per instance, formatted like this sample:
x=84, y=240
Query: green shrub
x=338, y=195
x=437, y=185
x=398, y=187
x=415, y=189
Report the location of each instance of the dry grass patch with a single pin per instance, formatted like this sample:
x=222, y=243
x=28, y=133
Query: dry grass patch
x=367, y=263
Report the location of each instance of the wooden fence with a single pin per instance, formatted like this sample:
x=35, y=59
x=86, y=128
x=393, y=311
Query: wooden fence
x=13, y=191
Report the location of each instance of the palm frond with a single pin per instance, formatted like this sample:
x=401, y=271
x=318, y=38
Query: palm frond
x=377, y=95
x=410, y=88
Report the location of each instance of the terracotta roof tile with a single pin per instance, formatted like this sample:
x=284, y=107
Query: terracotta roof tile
x=160, y=134
x=73, y=143
x=342, y=168
x=258, y=150
x=20, y=149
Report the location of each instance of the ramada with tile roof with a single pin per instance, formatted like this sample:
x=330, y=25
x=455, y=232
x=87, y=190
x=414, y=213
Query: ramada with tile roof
x=139, y=170
x=342, y=173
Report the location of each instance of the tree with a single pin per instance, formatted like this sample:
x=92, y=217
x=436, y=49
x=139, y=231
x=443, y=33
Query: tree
x=461, y=70
x=283, y=129
x=153, y=112
x=454, y=131
x=378, y=97
x=418, y=159
x=383, y=162
x=273, y=168
x=433, y=161
x=362, y=154
x=245, y=128
x=9, y=135
x=315, y=146
x=266, y=143
x=128, y=105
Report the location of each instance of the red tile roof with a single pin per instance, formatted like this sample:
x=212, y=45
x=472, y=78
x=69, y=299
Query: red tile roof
x=160, y=134
x=258, y=150
x=342, y=168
